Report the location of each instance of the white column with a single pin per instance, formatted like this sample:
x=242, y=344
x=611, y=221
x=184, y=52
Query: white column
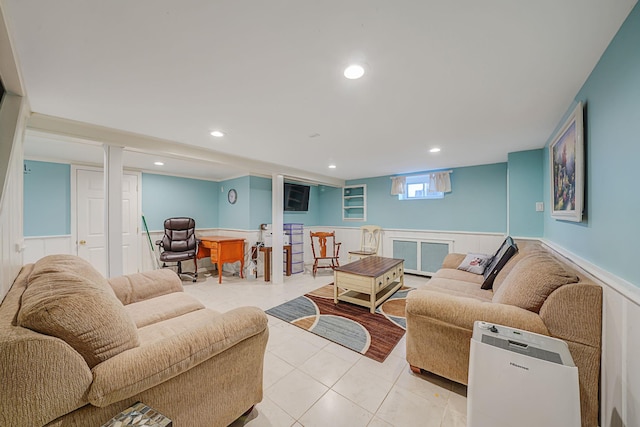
x=277, y=220
x=113, y=209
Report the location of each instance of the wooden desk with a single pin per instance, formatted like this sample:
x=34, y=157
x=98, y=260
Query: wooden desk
x=266, y=250
x=222, y=249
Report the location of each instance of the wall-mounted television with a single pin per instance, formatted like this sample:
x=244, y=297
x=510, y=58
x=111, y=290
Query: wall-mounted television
x=296, y=197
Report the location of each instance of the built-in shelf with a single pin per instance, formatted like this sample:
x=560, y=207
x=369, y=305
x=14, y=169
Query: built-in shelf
x=354, y=203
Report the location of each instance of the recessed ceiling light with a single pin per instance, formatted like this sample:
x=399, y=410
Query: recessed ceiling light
x=354, y=71
x=217, y=133
x=158, y=163
x=332, y=166
x=434, y=150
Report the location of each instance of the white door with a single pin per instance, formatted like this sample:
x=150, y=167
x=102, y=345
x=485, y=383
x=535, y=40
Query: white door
x=90, y=219
x=130, y=221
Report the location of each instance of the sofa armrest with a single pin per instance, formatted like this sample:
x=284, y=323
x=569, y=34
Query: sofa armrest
x=142, y=286
x=453, y=260
x=144, y=367
x=462, y=311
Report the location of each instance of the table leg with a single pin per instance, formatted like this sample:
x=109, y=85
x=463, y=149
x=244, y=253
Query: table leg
x=373, y=299
x=242, y=268
x=267, y=265
x=288, y=254
x=219, y=272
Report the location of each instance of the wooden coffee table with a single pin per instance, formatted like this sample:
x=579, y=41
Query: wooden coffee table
x=368, y=281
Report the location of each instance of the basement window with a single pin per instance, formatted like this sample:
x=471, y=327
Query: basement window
x=417, y=188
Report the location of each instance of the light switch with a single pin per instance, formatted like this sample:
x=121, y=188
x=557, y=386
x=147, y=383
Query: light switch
x=539, y=206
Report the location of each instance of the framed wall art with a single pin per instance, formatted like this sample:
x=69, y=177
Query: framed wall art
x=566, y=166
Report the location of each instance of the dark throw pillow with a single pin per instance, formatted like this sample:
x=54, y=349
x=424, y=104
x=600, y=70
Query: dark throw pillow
x=475, y=263
x=504, y=253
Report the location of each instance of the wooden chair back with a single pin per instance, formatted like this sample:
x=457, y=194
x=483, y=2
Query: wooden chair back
x=324, y=247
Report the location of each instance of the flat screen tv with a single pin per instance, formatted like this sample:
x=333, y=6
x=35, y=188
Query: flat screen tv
x=296, y=197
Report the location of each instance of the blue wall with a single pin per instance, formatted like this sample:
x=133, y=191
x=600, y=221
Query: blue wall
x=166, y=196
x=478, y=202
x=525, y=189
x=260, y=202
x=330, y=207
x=47, y=199
x=235, y=216
x=608, y=236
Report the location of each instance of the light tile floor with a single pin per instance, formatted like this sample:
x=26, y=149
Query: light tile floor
x=310, y=381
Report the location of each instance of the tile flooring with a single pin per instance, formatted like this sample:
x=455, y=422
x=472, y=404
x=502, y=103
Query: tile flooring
x=310, y=381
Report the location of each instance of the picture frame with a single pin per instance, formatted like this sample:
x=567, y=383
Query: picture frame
x=566, y=167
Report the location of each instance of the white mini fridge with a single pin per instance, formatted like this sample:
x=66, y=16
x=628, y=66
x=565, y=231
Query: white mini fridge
x=518, y=378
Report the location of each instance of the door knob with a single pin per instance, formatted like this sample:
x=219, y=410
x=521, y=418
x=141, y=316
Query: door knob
x=83, y=242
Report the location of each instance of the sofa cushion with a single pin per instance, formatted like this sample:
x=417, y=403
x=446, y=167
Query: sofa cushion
x=532, y=280
x=475, y=263
x=68, y=299
x=458, y=288
x=502, y=255
x=455, y=274
x=138, y=287
x=154, y=310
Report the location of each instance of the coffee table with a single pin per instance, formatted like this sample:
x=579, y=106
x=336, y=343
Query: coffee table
x=139, y=414
x=368, y=281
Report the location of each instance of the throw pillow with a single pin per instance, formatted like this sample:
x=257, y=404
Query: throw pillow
x=475, y=263
x=502, y=255
x=532, y=280
x=68, y=299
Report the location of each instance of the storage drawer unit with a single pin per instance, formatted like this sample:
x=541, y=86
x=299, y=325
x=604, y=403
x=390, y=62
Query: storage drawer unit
x=295, y=231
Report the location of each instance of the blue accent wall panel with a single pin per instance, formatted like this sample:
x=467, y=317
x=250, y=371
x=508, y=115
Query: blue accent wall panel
x=260, y=202
x=235, y=216
x=47, y=199
x=525, y=189
x=608, y=236
x=478, y=202
x=432, y=255
x=408, y=251
x=166, y=196
x=330, y=206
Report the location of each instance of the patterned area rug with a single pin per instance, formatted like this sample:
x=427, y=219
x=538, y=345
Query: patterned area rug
x=350, y=325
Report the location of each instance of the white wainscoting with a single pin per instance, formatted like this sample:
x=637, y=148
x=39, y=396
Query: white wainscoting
x=41, y=246
x=250, y=236
x=620, y=371
x=460, y=241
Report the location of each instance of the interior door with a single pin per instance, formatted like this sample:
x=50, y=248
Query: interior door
x=90, y=219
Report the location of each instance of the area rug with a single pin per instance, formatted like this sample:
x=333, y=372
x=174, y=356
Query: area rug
x=350, y=325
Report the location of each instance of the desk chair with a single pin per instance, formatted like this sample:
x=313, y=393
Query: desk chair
x=325, y=253
x=179, y=244
x=369, y=242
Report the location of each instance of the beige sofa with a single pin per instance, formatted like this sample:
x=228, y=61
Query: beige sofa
x=535, y=291
x=76, y=349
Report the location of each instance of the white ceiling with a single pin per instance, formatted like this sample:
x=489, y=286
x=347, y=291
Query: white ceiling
x=52, y=147
x=479, y=79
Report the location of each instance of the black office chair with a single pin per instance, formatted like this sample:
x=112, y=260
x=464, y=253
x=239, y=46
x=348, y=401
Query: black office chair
x=179, y=244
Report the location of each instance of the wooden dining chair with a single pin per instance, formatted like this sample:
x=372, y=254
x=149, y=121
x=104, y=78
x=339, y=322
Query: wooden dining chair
x=324, y=249
x=369, y=242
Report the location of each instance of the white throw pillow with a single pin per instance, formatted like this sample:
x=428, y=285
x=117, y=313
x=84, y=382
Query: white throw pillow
x=475, y=263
